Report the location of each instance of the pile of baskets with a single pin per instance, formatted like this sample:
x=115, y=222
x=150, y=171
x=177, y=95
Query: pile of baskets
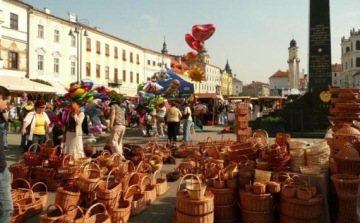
x=297, y=154
x=242, y=118
x=317, y=158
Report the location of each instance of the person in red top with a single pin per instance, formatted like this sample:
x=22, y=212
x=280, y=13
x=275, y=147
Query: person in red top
x=6, y=203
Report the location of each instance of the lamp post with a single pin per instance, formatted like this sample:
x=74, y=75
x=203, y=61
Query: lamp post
x=78, y=30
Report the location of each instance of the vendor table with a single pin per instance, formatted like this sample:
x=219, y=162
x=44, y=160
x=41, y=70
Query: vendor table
x=321, y=181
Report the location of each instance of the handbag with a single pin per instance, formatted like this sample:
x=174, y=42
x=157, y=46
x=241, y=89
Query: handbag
x=28, y=128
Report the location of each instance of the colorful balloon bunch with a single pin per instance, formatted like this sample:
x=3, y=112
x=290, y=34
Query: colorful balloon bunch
x=200, y=33
x=83, y=94
x=196, y=73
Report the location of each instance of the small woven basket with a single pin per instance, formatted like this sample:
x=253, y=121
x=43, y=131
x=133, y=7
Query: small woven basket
x=347, y=186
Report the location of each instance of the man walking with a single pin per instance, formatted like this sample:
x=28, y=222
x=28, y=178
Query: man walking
x=117, y=128
x=6, y=203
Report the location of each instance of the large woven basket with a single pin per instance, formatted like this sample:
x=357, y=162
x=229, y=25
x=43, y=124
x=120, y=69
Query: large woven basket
x=258, y=217
x=121, y=213
x=256, y=203
x=32, y=205
x=33, y=158
x=347, y=186
x=96, y=215
x=67, y=196
x=53, y=216
x=287, y=219
x=347, y=165
x=107, y=192
x=302, y=209
x=224, y=196
x=196, y=191
x=20, y=169
x=138, y=203
x=184, y=218
x=148, y=189
x=194, y=207
x=161, y=184
x=89, y=178
x=104, y=158
x=225, y=213
x=43, y=195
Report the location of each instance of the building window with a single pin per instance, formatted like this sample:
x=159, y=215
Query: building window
x=73, y=67
x=137, y=78
x=88, y=44
x=116, y=52
x=13, y=60
x=131, y=57
x=107, y=72
x=137, y=59
x=98, y=47
x=40, y=62
x=149, y=63
x=88, y=69
x=97, y=70
x=56, y=36
x=358, y=45
x=56, y=65
x=116, y=75
x=154, y=63
x=14, y=21
x=124, y=75
x=40, y=31
x=73, y=41
x=131, y=77
x=107, y=53
x=352, y=64
x=347, y=49
x=358, y=62
x=124, y=55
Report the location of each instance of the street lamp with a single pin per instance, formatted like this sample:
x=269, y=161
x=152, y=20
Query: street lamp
x=78, y=30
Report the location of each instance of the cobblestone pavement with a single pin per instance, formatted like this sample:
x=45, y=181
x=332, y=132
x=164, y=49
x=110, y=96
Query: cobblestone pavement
x=162, y=209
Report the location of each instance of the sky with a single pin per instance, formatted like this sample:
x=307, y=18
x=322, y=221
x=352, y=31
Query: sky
x=253, y=35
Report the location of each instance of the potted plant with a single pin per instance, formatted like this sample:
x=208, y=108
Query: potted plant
x=273, y=125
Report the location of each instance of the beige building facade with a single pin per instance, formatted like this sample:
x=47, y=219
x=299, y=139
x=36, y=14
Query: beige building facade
x=350, y=58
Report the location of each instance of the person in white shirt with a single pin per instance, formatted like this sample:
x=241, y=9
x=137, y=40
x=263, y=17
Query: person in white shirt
x=160, y=119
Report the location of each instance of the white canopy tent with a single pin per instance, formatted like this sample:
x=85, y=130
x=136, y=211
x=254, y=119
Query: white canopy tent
x=21, y=84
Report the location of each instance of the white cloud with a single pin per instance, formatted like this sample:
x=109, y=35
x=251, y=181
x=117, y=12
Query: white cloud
x=148, y=18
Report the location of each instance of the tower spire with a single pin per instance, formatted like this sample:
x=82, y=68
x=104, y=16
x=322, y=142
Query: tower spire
x=164, y=49
x=227, y=67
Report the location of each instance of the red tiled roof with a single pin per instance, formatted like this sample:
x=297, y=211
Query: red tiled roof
x=336, y=67
x=280, y=73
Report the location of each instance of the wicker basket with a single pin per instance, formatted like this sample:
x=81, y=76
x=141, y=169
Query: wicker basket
x=161, y=184
x=121, y=213
x=89, y=178
x=104, y=158
x=74, y=214
x=33, y=158
x=310, y=170
x=53, y=216
x=306, y=210
x=262, y=176
x=197, y=190
x=47, y=148
x=287, y=219
x=225, y=213
x=17, y=215
x=347, y=186
x=67, y=196
x=138, y=203
x=113, y=161
x=256, y=203
x=156, y=163
x=194, y=207
x=20, y=188
x=258, y=217
x=58, y=161
x=107, y=192
x=297, y=159
x=43, y=195
x=93, y=216
x=148, y=189
x=31, y=204
x=70, y=171
x=224, y=196
x=184, y=218
x=346, y=165
x=44, y=172
x=20, y=169
x=81, y=161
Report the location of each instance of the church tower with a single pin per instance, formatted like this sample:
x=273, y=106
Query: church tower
x=293, y=62
x=164, y=49
x=227, y=67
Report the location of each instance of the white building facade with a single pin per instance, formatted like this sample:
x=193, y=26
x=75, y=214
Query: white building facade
x=13, y=38
x=52, y=52
x=335, y=75
x=153, y=62
x=350, y=58
x=237, y=86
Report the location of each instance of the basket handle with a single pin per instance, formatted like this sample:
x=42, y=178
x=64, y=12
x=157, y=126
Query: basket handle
x=47, y=141
x=219, y=175
x=158, y=171
x=209, y=139
x=142, y=181
x=92, y=164
x=139, y=166
x=88, y=212
x=244, y=161
x=105, y=153
x=132, y=164
x=56, y=206
x=127, y=191
x=19, y=207
x=157, y=158
x=40, y=183
x=75, y=207
x=23, y=180
x=66, y=157
x=189, y=175
x=34, y=144
x=108, y=176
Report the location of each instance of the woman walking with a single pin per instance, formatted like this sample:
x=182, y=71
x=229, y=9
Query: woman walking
x=187, y=122
x=173, y=116
x=73, y=132
x=39, y=124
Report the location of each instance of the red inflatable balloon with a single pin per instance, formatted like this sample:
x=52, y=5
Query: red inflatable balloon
x=191, y=56
x=193, y=43
x=203, y=32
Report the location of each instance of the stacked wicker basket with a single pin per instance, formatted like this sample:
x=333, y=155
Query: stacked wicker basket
x=225, y=204
x=242, y=117
x=194, y=204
